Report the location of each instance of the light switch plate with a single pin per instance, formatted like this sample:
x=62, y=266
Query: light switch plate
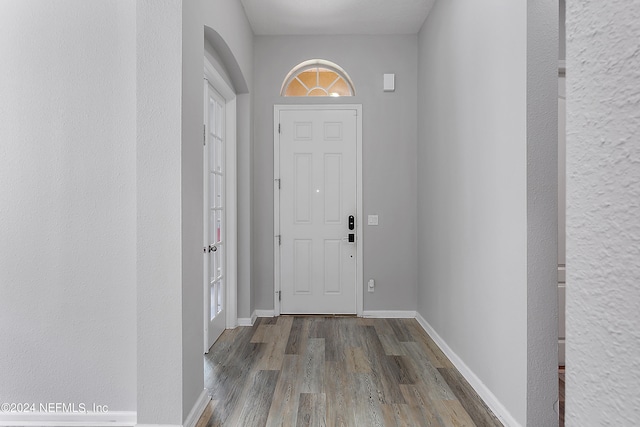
x=389, y=82
x=372, y=220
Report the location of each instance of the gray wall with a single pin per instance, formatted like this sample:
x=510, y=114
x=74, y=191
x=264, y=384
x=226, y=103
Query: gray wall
x=603, y=214
x=542, y=212
x=243, y=175
x=192, y=202
x=169, y=196
x=159, y=212
x=67, y=203
x=562, y=45
x=481, y=198
x=228, y=20
x=389, y=155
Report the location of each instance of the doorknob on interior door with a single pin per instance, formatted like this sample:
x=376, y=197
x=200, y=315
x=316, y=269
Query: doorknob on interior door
x=213, y=248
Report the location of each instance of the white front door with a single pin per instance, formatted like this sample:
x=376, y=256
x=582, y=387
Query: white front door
x=318, y=210
x=214, y=216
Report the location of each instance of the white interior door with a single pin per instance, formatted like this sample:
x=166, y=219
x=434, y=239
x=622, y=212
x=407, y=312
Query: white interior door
x=214, y=216
x=318, y=194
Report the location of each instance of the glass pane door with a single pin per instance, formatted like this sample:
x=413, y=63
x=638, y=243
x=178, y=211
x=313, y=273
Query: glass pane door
x=215, y=213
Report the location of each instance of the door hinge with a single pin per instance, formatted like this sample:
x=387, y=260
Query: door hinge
x=278, y=181
x=278, y=127
x=204, y=134
x=279, y=237
x=279, y=295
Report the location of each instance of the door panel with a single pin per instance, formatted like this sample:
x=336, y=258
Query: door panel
x=332, y=266
x=332, y=188
x=302, y=266
x=318, y=166
x=302, y=184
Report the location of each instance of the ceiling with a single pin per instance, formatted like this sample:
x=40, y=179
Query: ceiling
x=324, y=17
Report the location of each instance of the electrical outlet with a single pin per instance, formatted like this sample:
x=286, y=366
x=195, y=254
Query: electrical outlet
x=371, y=285
x=372, y=220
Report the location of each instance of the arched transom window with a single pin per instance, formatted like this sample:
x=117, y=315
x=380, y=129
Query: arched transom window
x=317, y=77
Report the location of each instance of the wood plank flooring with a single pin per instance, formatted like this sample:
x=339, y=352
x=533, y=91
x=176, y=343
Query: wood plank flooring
x=336, y=371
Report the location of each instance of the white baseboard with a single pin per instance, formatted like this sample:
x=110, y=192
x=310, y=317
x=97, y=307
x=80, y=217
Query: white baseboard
x=158, y=425
x=59, y=419
x=249, y=321
x=198, y=409
x=379, y=314
x=483, y=391
x=262, y=313
x=245, y=321
x=389, y=314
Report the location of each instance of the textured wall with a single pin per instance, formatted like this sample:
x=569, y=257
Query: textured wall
x=67, y=202
x=603, y=213
x=389, y=154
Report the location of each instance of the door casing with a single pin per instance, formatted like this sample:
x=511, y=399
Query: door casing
x=276, y=197
x=231, y=228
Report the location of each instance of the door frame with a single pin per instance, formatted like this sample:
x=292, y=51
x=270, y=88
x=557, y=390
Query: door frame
x=215, y=79
x=276, y=197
